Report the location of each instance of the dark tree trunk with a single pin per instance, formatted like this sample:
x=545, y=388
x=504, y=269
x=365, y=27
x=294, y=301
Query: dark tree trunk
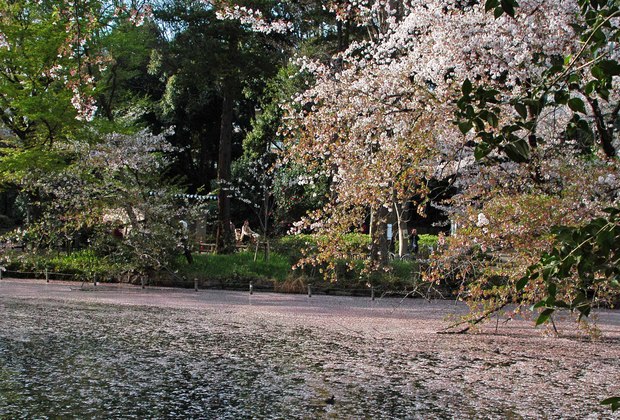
x=605, y=129
x=379, y=246
x=225, y=235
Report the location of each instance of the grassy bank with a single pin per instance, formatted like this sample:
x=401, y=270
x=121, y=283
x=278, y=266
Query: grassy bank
x=231, y=271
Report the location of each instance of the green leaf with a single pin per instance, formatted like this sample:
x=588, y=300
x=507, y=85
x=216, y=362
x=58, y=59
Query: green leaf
x=462, y=103
x=482, y=150
x=614, y=402
x=490, y=4
x=467, y=87
x=574, y=78
x=561, y=97
x=521, y=109
x=591, y=87
x=584, y=311
x=598, y=72
x=544, y=316
x=498, y=12
x=465, y=126
x=610, y=67
x=535, y=106
x=577, y=105
x=522, y=283
x=509, y=7
x=518, y=151
x=560, y=304
x=492, y=119
x=605, y=240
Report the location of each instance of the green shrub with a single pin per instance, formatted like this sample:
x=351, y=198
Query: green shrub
x=428, y=241
x=235, y=266
x=292, y=245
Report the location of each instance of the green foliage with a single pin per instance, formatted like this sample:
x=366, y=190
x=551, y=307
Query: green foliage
x=293, y=245
x=586, y=260
x=294, y=199
x=34, y=104
x=265, y=125
x=427, y=240
x=500, y=7
x=17, y=163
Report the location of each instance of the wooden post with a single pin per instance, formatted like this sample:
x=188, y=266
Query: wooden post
x=142, y=282
x=195, y=284
x=256, y=249
x=309, y=291
x=372, y=293
x=47, y=278
x=266, y=249
x=251, y=288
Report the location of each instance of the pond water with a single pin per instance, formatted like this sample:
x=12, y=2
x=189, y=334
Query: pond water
x=171, y=354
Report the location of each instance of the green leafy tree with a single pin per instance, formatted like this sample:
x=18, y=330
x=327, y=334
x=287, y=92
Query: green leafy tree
x=54, y=55
x=233, y=50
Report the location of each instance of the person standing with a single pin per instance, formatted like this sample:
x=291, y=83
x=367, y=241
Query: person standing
x=414, y=239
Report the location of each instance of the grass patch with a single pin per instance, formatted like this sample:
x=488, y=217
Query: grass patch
x=76, y=265
x=235, y=266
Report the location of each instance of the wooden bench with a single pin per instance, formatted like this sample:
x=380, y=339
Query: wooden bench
x=206, y=247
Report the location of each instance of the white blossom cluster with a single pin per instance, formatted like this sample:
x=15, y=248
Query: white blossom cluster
x=138, y=152
x=254, y=19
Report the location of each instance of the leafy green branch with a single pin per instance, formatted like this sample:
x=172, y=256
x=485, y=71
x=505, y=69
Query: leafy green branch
x=507, y=124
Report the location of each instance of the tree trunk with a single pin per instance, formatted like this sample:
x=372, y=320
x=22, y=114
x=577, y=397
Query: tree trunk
x=224, y=236
x=605, y=129
x=379, y=246
x=402, y=217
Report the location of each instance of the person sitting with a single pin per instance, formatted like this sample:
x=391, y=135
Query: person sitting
x=247, y=234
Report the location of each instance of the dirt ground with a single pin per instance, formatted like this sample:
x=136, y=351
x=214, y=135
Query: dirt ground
x=311, y=357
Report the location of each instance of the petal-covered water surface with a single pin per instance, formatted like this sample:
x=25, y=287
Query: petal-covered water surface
x=121, y=352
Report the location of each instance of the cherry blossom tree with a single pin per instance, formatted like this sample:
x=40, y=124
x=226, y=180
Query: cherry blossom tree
x=114, y=194
x=380, y=122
